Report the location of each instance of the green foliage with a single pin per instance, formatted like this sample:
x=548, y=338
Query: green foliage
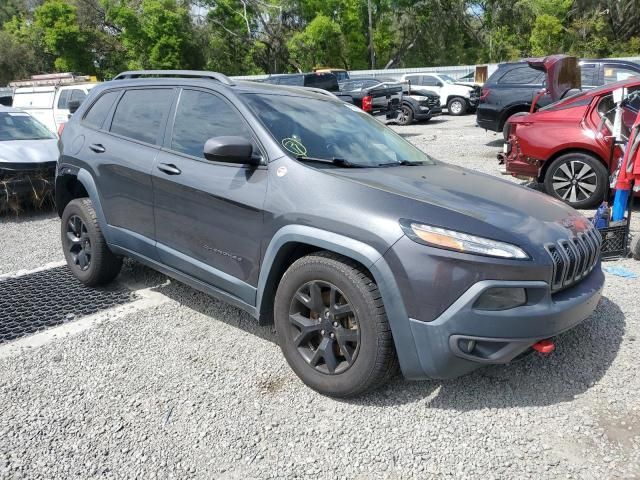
x=241, y=37
x=319, y=44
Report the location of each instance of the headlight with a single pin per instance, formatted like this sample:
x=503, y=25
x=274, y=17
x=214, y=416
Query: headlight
x=460, y=242
x=420, y=98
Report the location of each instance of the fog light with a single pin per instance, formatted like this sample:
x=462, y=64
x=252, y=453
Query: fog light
x=501, y=298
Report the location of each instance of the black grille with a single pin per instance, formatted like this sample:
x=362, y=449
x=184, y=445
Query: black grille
x=44, y=299
x=573, y=259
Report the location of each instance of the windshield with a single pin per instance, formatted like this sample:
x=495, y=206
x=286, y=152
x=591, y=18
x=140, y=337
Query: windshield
x=311, y=127
x=22, y=126
x=447, y=79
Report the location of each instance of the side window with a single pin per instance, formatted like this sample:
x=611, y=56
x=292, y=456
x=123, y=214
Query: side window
x=524, y=75
x=429, y=81
x=613, y=73
x=140, y=114
x=293, y=80
x=589, y=75
x=63, y=99
x=414, y=79
x=98, y=112
x=201, y=116
x=68, y=95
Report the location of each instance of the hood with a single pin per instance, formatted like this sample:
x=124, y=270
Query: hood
x=28, y=151
x=562, y=74
x=463, y=200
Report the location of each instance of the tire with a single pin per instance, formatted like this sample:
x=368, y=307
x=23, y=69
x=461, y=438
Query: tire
x=635, y=247
x=85, y=248
x=405, y=115
x=577, y=179
x=341, y=355
x=505, y=128
x=457, y=106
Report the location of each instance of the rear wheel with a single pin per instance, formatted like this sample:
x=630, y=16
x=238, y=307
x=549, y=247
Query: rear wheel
x=405, y=115
x=85, y=248
x=332, y=326
x=457, y=106
x=577, y=179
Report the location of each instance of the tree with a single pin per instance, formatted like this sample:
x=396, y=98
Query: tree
x=547, y=35
x=319, y=44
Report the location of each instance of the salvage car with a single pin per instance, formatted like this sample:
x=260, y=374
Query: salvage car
x=512, y=88
x=376, y=97
x=28, y=155
x=567, y=145
x=457, y=98
x=304, y=211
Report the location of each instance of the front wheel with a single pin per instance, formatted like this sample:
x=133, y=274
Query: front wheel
x=405, y=115
x=457, y=106
x=85, y=248
x=577, y=179
x=332, y=326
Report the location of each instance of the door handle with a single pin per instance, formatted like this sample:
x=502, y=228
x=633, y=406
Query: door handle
x=98, y=148
x=169, y=169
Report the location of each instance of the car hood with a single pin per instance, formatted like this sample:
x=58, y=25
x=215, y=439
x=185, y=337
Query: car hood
x=462, y=199
x=28, y=151
x=562, y=73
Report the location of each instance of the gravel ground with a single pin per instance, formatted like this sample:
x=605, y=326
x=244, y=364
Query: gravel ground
x=188, y=387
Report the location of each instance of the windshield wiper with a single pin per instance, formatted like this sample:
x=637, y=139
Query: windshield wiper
x=341, y=162
x=400, y=162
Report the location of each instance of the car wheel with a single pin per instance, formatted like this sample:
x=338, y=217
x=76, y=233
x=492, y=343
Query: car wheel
x=405, y=115
x=332, y=326
x=505, y=128
x=85, y=248
x=577, y=179
x=457, y=106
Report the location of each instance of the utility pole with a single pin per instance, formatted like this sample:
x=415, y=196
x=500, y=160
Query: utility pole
x=373, y=55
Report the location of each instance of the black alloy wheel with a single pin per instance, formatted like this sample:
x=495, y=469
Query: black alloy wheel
x=324, y=327
x=79, y=242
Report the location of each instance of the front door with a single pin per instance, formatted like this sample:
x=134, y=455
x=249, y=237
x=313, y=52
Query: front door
x=209, y=215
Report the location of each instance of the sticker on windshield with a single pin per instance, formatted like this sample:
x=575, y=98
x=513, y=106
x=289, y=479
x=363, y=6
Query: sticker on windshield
x=294, y=146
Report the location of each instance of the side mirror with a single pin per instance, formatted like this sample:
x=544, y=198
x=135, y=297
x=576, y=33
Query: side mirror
x=440, y=84
x=230, y=150
x=73, y=106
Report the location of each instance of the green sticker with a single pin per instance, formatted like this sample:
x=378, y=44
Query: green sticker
x=294, y=146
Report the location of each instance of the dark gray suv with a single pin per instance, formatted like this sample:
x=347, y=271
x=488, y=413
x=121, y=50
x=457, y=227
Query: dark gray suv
x=304, y=211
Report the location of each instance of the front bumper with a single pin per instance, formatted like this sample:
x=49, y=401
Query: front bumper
x=26, y=184
x=499, y=336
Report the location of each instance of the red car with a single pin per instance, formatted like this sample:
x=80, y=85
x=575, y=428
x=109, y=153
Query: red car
x=566, y=146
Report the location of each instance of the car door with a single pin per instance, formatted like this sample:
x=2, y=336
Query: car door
x=209, y=215
x=432, y=83
x=122, y=153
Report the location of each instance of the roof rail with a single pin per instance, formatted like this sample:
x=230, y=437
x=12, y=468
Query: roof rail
x=220, y=77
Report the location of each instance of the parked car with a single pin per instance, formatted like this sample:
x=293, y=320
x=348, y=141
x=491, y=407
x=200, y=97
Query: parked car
x=340, y=73
x=6, y=96
x=511, y=89
x=566, y=146
x=324, y=80
x=376, y=97
x=47, y=97
x=28, y=155
x=304, y=211
x=457, y=99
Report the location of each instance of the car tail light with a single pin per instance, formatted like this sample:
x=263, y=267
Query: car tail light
x=60, y=129
x=367, y=103
x=485, y=93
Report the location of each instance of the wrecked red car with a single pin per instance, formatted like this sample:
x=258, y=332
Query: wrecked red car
x=566, y=146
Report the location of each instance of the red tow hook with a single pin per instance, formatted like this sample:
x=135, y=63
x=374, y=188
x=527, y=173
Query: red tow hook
x=545, y=346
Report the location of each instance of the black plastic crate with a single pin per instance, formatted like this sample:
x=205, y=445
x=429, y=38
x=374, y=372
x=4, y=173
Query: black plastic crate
x=615, y=241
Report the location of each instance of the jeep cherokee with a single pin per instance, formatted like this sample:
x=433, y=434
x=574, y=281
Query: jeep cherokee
x=304, y=211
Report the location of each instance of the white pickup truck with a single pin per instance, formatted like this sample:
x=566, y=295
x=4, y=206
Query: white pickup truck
x=458, y=99
x=47, y=97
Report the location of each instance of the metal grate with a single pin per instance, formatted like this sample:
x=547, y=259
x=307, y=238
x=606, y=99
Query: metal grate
x=574, y=259
x=44, y=299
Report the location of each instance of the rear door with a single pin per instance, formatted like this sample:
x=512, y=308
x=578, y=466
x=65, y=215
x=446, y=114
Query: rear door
x=66, y=95
x=209, y=215
x=122, y=152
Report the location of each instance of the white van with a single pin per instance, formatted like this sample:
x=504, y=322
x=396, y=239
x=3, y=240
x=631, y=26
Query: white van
x=47, y=97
